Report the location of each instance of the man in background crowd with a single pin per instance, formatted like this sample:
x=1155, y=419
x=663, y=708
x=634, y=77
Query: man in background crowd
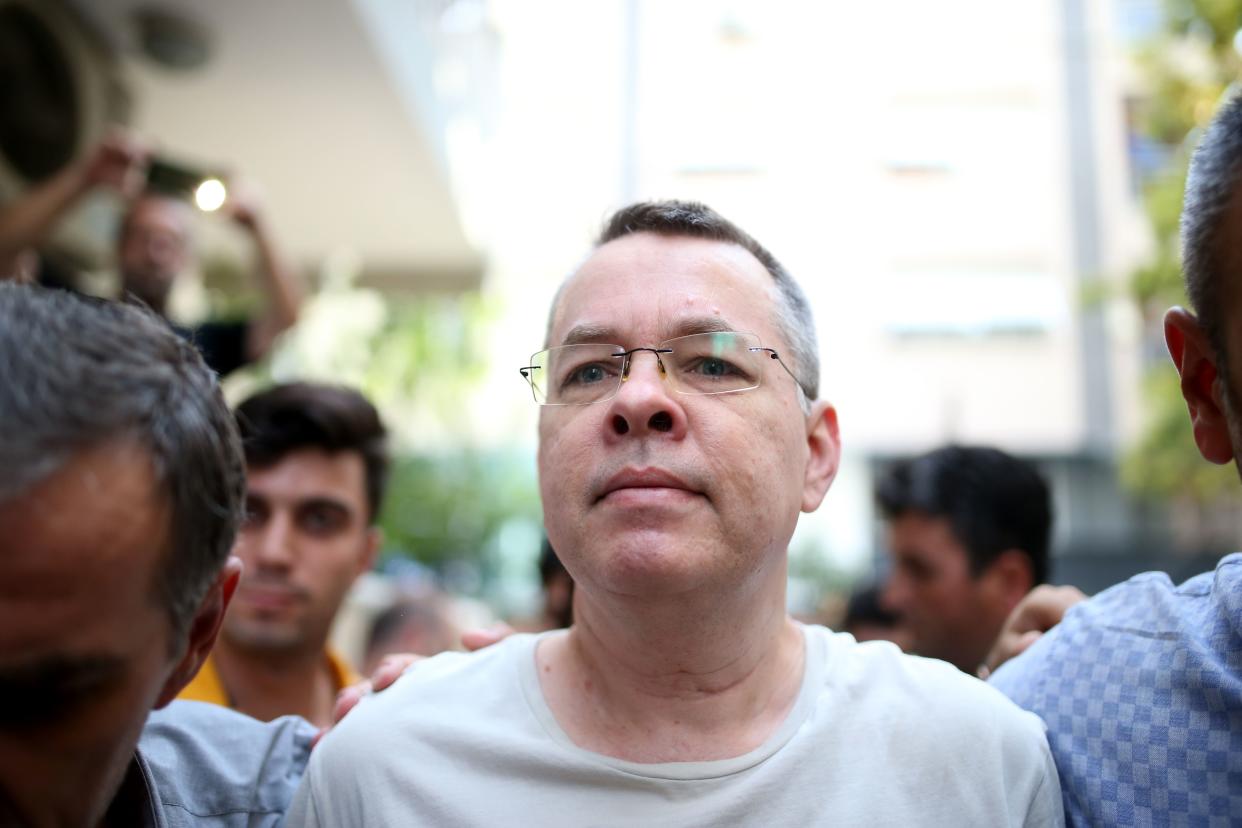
x=967, y=534
x=154, y=245
x=316, y=467
x=418, y=624
x=867, y=620
x=1141, y=686
x=122, y=484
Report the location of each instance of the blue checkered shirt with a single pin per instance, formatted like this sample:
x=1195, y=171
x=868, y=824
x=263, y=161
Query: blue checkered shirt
x=1141, y=689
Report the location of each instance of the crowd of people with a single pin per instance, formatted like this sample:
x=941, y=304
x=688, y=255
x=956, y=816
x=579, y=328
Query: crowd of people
x=172, y=568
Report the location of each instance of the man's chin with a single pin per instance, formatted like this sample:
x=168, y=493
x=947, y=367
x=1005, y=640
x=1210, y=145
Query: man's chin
x=254, y=636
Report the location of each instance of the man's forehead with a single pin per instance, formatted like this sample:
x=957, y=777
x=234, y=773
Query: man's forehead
x=100, y=511
x=676, y=284
x=311, y=473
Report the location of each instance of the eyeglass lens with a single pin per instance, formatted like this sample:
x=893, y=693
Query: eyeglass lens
x=706, y=363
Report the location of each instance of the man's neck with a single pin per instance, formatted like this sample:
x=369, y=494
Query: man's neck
x=667, y=684
x=267, y=685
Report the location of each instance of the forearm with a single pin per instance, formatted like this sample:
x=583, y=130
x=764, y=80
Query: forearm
x=27, y=221
x=281, y=287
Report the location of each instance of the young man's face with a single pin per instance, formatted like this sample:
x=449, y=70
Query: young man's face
x=943, y=607
x=85, y=649
x=657, y=493
x=306, y=537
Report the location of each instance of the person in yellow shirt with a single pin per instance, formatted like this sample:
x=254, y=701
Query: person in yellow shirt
x=316, y=466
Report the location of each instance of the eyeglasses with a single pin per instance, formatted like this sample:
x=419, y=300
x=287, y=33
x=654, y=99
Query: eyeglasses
x=720, y=362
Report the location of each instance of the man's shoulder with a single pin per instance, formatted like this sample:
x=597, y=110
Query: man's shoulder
x=1143, y=619
x=206, y=760
x=879, y=677
x=433, y=688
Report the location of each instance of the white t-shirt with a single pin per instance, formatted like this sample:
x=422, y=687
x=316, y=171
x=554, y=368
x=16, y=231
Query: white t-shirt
x=874, y=738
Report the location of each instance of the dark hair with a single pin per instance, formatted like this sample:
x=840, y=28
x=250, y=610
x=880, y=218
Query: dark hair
x=1211, y=187
x=79, y=372
x=864, y=607
x=690, y=218
x=299, y=415
x=992, y=500
x=425, y=612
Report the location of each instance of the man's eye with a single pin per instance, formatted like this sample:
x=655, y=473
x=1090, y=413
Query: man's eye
x=587, y=375
x=713, y=367
x=322, y=519
x=255, y=514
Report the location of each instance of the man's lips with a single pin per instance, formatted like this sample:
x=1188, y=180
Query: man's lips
x=268, y=597
x=645, y=485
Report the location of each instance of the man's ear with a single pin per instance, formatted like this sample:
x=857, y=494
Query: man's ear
x=204, y=627
x=1010, y=576
x=1201, y=384
x=374, y=542
x=823, y=438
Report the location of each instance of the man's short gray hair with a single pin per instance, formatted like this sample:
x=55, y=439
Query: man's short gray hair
x=692, y=219
x=79, y=372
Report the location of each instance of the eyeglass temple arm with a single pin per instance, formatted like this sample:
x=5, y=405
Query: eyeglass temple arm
x=777, y=357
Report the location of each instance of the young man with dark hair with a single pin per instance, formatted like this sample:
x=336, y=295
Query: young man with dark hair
x=120, y=494
x=316, y=466
x=1141, y=686
x=967, y=532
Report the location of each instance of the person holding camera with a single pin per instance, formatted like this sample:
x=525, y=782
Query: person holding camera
x=154, y=245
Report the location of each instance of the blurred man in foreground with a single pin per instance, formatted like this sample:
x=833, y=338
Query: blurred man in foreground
x=680, y=437
x=316, y=466
x=154, y=246
x=119, y=499
x=968, y=538
x=1141, y=686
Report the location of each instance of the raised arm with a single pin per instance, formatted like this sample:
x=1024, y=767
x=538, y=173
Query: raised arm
x=281, y=288
x=115, y=162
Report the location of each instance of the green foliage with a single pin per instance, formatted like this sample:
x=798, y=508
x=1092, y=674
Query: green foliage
x=452, y=507
x=1187, y=67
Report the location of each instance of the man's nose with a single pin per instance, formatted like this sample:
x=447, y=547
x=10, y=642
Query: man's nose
x=645, y=403
x=273, y=548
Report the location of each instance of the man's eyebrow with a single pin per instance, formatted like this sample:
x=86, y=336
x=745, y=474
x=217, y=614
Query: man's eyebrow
x=683, y=327
x=579, y=334
x=321, y=501
x=702, y=324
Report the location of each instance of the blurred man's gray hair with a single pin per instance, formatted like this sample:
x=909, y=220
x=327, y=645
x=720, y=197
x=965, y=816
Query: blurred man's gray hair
x=80, y=372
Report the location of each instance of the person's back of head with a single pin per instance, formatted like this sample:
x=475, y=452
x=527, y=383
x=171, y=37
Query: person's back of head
x=1207, y=348
x=119, y=502
x=968, y=530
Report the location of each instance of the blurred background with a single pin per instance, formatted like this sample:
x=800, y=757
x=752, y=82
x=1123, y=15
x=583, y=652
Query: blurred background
x=979, y=197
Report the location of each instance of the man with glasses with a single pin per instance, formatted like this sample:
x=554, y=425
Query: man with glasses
x=680, y=435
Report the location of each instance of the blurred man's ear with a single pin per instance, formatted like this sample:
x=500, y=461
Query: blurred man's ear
x=374, y=542
x=1010, y=576
x=1201, y=384
x=824, y=441
x=204, y=627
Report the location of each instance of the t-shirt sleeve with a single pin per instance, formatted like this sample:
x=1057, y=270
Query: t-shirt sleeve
x=1046, y=809
x=303, y=811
